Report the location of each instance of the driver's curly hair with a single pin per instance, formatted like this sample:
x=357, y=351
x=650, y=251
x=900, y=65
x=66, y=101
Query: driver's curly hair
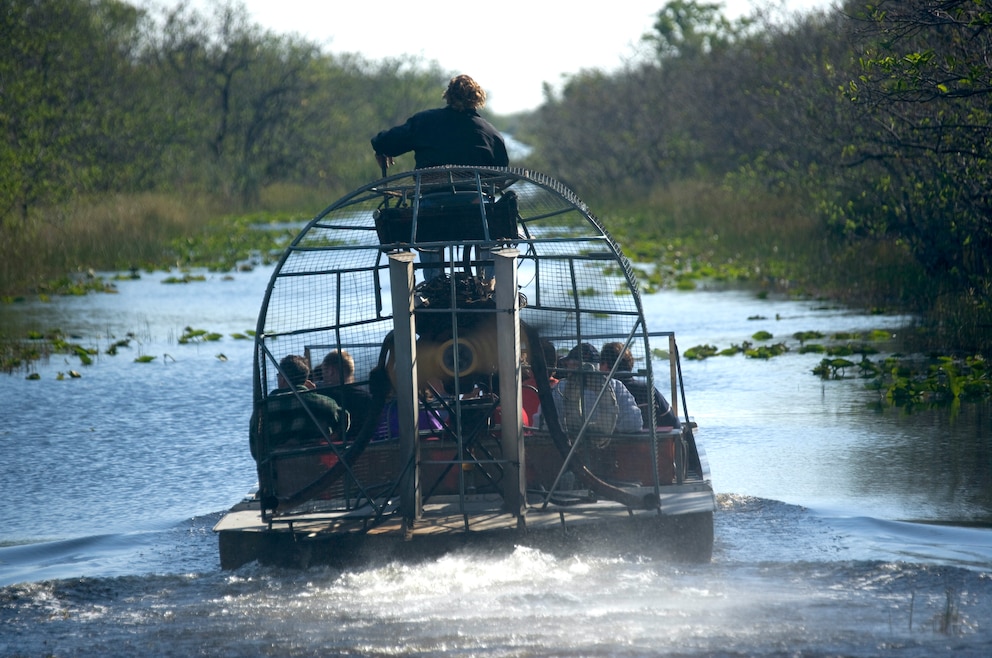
x=464, y=93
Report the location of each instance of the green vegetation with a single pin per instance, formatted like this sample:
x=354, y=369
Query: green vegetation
x=126, y=132
x=904, y=381
x=836, y=155
x=842, y=154
x=22, y=353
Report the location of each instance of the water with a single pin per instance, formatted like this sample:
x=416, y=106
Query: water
x=841, y=530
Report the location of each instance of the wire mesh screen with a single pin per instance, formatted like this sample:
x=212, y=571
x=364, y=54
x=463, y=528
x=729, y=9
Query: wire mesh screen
x=331, y=289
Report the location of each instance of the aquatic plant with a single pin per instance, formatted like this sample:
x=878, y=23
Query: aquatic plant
x=700, y=352
x=934, y=380
x=803, y=336
x=766, y=351
x=124, y=342
x=191, y=335
x=75, y=286
x=185, y=278
x=832, y=368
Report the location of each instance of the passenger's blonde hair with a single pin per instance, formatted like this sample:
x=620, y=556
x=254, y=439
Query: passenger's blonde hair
x=464, y=93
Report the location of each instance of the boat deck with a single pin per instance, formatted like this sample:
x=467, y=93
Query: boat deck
x=360, y=536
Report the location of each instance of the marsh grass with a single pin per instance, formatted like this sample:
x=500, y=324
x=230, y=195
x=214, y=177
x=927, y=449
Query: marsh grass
x=296, y=199
x=120, y=232
x=697, y=229
x=55, y=249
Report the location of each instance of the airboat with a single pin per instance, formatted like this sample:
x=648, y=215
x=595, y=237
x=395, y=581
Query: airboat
x=455, y=290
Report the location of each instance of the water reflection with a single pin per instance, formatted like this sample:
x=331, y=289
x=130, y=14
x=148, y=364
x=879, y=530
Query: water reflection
x=940, y=460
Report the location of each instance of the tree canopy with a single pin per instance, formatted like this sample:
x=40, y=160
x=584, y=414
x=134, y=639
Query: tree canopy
x=99, y=96
x=876, y=114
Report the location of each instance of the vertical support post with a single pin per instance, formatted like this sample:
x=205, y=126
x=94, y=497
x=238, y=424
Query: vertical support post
x=673, y=399
x=401, y=284
x=508, y=346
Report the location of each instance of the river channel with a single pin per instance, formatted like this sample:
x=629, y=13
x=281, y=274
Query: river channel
x=844, y=528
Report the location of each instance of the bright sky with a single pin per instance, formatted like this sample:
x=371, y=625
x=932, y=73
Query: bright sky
x=511, y=47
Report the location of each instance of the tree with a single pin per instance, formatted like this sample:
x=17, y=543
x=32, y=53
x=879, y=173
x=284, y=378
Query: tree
x=923, y=97
x=688, y=29
x=240, y=96
x=66, y=73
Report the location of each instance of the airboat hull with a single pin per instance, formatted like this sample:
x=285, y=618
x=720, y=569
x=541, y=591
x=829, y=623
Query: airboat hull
x=450, y=338
x=683, y=532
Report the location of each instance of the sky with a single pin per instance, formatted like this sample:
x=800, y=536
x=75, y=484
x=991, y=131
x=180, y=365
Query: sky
x=511, y=47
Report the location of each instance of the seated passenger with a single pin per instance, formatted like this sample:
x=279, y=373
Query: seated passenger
x=581, y=353
x=338, y=381
x=455, y=134
x=664, y=416
x=531, y=400
x=282, y=420
x=617, y=410
x=550, y=361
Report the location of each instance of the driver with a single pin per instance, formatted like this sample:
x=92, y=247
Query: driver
x=452, y=135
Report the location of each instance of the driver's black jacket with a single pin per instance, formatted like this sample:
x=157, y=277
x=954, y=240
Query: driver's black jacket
x=445, y=136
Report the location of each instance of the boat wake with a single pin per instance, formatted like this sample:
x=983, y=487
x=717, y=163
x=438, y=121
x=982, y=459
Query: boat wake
x=783, y=579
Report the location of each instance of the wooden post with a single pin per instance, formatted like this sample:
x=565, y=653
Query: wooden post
x=508, y=345
x=401, y=284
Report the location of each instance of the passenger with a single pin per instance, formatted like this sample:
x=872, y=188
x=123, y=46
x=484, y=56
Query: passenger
x=550, y=361
x=529, y=393
x=664, y=416
x=617, y=410
x=338, y=381
x=452, y=135
x=282, y=419
x=581, y=353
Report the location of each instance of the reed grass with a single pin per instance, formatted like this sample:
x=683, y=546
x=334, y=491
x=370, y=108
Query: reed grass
x=750, y=236
x=769, y=241
x=118, y=232
x=150, y=231
x=296, y=199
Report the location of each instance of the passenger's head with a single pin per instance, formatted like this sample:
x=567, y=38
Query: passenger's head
x=294, y=370
x=581, y=353
x=550, y=354
x=338, y=367
x=464, y=93
x=613, y=352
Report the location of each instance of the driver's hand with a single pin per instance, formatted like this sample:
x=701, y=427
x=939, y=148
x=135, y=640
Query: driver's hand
x=384, y=160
